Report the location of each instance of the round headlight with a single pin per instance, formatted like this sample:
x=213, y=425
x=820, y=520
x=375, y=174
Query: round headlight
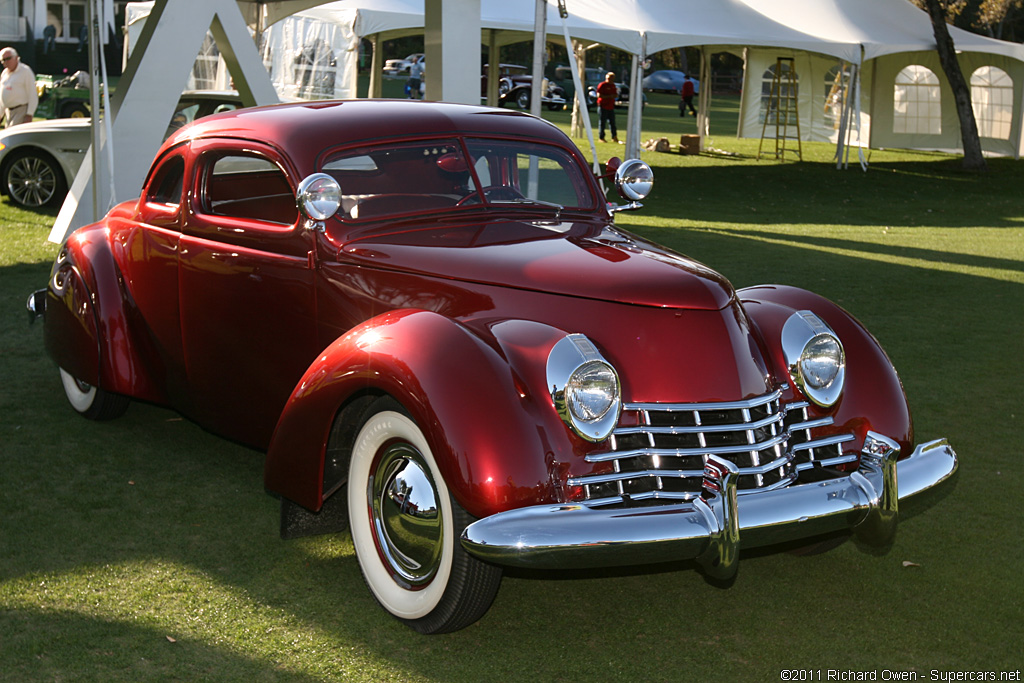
x=821, y=361
x=592, y=391
x=584, y=387
x=815, y=357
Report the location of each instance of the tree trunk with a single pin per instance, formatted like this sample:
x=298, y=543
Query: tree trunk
x=973, y=158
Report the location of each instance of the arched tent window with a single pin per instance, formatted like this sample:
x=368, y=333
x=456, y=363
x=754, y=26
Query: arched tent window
x=992, y=99
x=917, y=103
x=785, y=91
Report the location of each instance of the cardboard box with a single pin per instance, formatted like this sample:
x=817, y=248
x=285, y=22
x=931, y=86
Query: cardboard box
x=689, y=144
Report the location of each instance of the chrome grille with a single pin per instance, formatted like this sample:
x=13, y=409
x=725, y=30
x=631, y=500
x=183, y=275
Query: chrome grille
x=658, y=450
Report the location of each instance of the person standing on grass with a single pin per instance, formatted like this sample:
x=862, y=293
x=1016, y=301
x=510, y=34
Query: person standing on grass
x=17, y=89
x=607, y=93
x=687, y=92
x=415, y=77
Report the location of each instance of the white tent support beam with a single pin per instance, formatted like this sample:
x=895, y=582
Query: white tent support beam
x=376, y=88
x=148, y=91
x=493, y=68
x=453, y=65
x=704, y=97
x=540, y=31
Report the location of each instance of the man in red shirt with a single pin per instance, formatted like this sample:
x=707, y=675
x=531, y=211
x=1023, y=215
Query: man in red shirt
x=687, y=96
x=607, y=93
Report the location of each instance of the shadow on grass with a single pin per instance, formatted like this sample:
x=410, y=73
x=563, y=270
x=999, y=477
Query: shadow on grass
x=922, y=194
x=68, y=646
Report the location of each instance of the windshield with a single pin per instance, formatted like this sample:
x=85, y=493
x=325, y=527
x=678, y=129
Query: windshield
x=437, y=175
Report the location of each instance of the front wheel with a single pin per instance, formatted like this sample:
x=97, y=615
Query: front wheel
x=406, y=528
x=523, y=99
x=92, y=402
x=34, y=179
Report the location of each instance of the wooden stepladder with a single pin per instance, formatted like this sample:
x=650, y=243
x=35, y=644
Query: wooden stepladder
x=782, y=115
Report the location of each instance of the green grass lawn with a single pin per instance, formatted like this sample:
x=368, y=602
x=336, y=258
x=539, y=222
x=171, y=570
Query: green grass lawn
x=145, y=549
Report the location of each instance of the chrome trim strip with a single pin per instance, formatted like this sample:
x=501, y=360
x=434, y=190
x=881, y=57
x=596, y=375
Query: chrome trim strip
x=579, y=536
x=700, y=450
x=827, y=462
x=774, y=418
x=590, y=479
x=822, y=442
x=690, y=407
x=810, y=424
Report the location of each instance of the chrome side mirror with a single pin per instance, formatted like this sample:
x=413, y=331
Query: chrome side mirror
x=318, y=198
x=634, y=180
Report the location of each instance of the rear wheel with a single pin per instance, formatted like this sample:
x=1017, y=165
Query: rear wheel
x=523, y=99
x=406, y=528
x=92, y=402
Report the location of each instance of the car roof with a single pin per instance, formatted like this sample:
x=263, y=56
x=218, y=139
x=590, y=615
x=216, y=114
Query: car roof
x=304, y=129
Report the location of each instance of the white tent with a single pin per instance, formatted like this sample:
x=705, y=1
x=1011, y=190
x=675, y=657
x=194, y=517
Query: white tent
x=906, y=100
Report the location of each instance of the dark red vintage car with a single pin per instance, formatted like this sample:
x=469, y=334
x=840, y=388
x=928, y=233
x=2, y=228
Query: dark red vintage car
x=426, y=317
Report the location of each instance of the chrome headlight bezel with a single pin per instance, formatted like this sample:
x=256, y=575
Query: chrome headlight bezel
x=815, y=358
x=318, y=197
x=584, y=387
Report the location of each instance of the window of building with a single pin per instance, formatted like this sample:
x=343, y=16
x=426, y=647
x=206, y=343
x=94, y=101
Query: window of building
x=68, y=18
x=917, y=102
x=992, y=99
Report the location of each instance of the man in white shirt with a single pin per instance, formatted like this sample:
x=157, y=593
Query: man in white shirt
x=17, y=89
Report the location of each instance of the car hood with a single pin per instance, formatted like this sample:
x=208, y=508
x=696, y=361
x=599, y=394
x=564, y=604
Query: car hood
x=583, y=259
x=48, y=126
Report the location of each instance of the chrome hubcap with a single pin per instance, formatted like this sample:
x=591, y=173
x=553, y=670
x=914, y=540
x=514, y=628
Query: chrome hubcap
x=407, y=522
x=31, y=181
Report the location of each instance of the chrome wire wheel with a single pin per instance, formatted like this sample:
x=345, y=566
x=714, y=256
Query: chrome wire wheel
x=32, y=180
x=406, y=525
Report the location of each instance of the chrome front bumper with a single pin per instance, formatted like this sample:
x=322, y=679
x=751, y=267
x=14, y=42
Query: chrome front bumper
x=713, y=527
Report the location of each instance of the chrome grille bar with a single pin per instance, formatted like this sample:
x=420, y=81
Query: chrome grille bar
x=661, y=455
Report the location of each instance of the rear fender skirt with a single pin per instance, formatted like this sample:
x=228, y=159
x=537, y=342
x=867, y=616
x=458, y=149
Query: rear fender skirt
x=873, y=398
x=497, y=443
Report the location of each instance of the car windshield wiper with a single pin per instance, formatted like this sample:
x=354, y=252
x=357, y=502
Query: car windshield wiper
x=532, y=202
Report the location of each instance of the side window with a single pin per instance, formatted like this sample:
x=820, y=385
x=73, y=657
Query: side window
x=917, y=102
x=992, y=99
x=165, y=188
x=247, y=186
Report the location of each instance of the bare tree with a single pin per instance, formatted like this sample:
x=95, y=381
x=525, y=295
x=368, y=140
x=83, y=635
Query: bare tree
x=973, y=158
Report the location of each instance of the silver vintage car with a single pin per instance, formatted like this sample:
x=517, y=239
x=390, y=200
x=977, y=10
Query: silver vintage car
x=39, y=160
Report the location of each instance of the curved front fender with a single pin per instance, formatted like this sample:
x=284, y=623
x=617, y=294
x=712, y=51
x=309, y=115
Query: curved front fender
x=497, y=443
x=873, y=398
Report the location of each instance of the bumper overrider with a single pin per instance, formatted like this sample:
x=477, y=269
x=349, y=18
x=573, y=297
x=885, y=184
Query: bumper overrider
x=713, y=527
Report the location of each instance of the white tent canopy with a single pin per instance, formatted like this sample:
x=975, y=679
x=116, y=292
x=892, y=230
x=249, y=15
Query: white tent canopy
x=881, y=27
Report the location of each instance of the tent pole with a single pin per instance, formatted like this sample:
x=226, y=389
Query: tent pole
x=376, y=68
x=844, y=89
x=704, y=99
x=856, y=112
x=635, y=109
x=581, y=94
x=540, y=19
